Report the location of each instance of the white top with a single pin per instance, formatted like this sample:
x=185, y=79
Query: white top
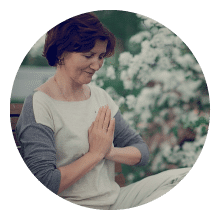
x=70, y=122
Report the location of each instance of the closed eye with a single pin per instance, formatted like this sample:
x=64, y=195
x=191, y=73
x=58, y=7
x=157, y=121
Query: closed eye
x=89, y=56
x=102, y=56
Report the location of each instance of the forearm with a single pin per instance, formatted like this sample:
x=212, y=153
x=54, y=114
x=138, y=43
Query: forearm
x=73, y=172
x=128, y=155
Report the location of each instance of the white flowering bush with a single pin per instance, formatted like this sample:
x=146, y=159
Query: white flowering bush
x=161, y=91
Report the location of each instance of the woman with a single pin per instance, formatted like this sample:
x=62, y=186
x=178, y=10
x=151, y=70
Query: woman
x=72, y=133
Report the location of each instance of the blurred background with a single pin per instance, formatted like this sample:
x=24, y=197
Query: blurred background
x=156, y=82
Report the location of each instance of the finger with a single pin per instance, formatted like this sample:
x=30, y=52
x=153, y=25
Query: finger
x=107, y=119
x=91, y=127
x=111, y=128
x=98, y=116
x=102, y=117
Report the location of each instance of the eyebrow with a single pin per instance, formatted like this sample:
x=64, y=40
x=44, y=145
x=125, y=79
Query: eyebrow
x=95, y=53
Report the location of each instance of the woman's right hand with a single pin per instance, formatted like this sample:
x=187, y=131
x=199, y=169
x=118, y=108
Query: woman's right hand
x=101, y=132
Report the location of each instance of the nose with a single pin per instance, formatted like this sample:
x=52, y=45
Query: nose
x=96, y=65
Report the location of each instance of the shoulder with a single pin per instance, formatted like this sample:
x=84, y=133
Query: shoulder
x=27, y=113
x=43, y=108
x=42, y=102
x=46, y=94
x=100, y=92
x=41, y=97
x=49, y=88
x=96, y=89
x=37, y=109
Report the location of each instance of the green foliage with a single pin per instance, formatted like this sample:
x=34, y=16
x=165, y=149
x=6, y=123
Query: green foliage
x=162, y=94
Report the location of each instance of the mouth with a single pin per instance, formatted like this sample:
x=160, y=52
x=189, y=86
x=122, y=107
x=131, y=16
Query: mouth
x=90, y=73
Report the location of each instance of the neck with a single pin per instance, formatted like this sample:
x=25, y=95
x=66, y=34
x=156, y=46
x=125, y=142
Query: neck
x=68, y=88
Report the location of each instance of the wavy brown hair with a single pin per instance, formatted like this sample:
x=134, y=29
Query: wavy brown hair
x=76, y=34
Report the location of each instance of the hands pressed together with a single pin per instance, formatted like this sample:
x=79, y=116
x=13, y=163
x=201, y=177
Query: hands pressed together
x=101, y=132
x=100, y=137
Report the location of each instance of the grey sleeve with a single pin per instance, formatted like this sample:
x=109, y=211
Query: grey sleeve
x=38, y=147
x=125, y=136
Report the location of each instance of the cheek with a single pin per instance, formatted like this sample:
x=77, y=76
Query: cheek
x=81, y=64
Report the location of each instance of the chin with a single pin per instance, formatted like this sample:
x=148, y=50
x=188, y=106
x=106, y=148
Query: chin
x=87, y=81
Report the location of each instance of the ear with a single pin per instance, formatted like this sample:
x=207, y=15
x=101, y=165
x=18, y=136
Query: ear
x=62, y=57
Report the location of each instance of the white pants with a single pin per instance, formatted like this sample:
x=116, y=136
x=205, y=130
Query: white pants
x=147, y=189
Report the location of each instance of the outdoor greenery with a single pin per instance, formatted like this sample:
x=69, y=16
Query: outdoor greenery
x=161, y=91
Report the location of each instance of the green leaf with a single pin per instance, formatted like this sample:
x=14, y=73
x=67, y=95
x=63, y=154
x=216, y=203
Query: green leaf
x=175, y=131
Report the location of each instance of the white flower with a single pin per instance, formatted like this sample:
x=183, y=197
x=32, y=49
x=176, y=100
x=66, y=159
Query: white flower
x=201, y=141
x=164, y=63
x=123, y=75
x=176, y=148
x=205, y=100
x=149, y=55
x=171, y=97
x=144, y=75
x=99, y=83
x=134, y=67
x=138, y=38
x=165, y=31
x=145, y=45
x=120, y=101
x=166, y=149
x=157, y=163
x=158, y=40
x=128, y=84
x=111, y=72
x=128, y=117
x=131, y=101
x=188, y=89
x=175, y=52
x=130, y=177
x=187, y=147
x=125, y=58
x=154, y=30
x=178, y=42
x=141, y=16
x=197, y=67
x=185, y=61
x=145, y=100
x=149, y=22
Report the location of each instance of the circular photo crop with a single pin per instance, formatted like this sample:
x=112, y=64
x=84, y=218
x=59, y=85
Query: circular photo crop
x=110, y=110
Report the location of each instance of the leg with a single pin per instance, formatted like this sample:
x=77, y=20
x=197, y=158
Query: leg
x=148, y=189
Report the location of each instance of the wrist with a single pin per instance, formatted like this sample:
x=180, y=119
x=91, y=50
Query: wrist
x=96, y=156
x=110, y=154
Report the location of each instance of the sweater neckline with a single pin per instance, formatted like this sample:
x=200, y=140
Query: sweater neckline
x=63, y=101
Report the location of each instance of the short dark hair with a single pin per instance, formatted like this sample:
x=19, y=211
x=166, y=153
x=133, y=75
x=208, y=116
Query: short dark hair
x=76, y=34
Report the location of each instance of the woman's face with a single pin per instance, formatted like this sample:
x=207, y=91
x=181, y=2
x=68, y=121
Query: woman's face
x=81, y=66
